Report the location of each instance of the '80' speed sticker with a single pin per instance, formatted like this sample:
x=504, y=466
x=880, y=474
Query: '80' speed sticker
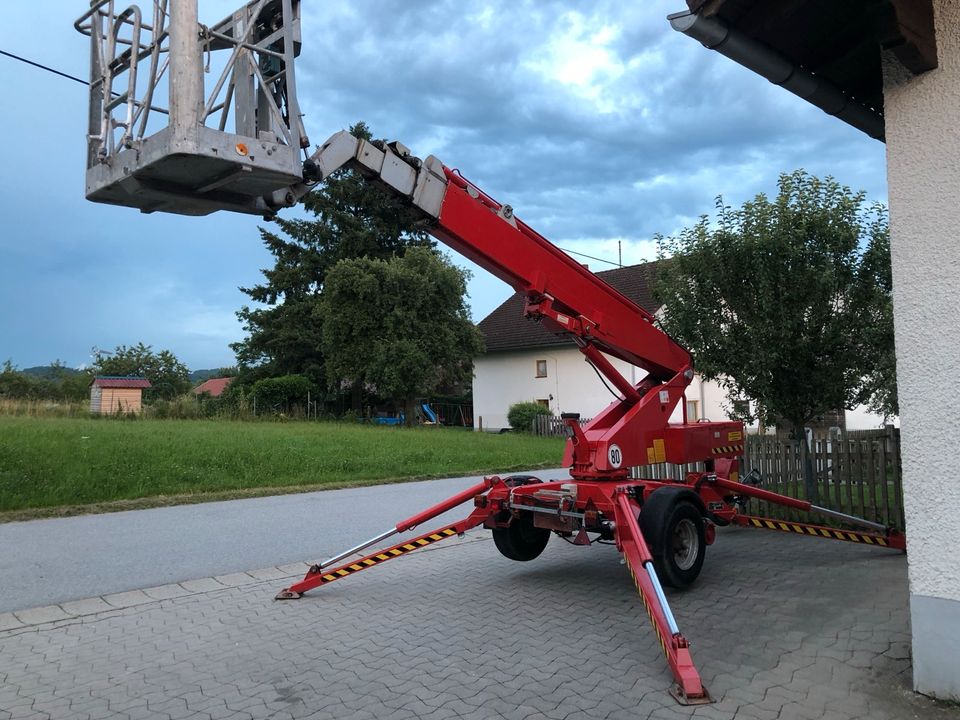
x=614, y=456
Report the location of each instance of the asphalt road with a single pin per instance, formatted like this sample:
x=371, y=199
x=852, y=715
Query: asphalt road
x=51, y=561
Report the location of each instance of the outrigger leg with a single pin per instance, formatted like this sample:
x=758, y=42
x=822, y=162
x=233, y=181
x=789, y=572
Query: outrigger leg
x=875, y=533
x=689, y=689
x=323, y=574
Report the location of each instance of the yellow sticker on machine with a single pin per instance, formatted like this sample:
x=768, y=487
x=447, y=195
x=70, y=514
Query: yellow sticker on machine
x=651, y=456
x=659, y=451
x=734, y=436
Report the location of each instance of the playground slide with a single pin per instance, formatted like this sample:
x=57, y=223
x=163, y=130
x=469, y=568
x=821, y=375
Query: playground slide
x=428, y=411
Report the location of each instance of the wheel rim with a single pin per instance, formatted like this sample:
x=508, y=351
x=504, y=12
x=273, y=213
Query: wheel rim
x=686, y=544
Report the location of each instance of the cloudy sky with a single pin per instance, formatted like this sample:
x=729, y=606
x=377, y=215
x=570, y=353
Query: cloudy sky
x=595, y=121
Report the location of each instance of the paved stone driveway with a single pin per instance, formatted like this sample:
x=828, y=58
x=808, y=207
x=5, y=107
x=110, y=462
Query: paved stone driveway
x=781, y=627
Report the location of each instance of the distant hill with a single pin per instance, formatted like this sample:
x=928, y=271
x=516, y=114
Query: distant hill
x=198, y=376
x=48, y=372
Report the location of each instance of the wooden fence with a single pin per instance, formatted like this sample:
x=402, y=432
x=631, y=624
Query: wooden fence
x=857, y=472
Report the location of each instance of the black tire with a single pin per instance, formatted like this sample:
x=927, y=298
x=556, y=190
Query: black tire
x=520, y=540
x=674, y=530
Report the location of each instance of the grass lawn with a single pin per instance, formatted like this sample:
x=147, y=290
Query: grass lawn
x=48, y=463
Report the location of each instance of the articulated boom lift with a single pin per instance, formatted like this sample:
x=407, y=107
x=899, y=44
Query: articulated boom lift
x=662, y=528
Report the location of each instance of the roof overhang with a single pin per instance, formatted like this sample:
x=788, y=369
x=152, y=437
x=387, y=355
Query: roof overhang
x=117, y=382
x=828, y=52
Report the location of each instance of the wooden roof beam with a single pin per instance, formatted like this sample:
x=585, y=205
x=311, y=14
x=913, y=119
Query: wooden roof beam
x=903, y=26
x=909, y=32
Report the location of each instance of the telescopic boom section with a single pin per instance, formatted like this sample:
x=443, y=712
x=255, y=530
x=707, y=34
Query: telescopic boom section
x=560, y=292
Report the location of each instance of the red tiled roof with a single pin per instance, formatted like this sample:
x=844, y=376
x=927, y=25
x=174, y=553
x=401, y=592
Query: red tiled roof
x=121, y=382
x=213, y=386
x=506, y=328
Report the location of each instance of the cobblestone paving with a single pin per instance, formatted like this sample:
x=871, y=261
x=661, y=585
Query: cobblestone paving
x=781, y=627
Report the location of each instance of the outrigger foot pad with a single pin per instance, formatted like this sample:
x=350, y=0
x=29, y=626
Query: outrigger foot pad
x=288, y=595
x=683, y=699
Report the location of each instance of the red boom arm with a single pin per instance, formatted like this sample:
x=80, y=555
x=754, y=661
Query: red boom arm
x=567, y=298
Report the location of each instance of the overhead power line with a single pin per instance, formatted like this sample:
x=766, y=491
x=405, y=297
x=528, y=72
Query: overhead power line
x=44, y=67
x=608, y=262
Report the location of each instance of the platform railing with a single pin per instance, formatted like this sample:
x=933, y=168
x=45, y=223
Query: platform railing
x=231, y=135
x=120, y=42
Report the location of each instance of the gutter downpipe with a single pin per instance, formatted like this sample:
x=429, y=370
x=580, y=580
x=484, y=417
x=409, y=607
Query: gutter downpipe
x=715, y=34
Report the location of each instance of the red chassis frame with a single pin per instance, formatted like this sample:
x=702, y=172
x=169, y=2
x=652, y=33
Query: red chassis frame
x=610, y=509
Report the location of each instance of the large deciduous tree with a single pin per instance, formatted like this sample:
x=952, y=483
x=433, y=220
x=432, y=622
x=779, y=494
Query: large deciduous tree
x=169, y=378
x=399, y=325
x=787, y=301
x=353, y=219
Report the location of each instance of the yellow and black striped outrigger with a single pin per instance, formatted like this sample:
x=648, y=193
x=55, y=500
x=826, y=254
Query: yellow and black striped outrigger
x=324, y=573
x=890, y=539
x=317, y=576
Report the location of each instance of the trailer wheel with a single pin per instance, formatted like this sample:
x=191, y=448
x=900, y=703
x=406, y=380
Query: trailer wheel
x=521, y=540
x=673, y=528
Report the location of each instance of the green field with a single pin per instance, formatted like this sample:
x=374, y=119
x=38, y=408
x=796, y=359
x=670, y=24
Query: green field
x=48, y=463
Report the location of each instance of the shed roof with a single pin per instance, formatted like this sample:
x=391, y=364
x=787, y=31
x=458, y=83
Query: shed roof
x=506, y=328
x=214, y=386
x=117, y=381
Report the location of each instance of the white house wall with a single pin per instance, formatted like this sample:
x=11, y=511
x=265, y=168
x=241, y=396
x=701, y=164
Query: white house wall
x=504, y=378
x=923, y=166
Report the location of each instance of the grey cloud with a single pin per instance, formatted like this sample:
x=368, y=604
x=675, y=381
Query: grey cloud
x=429, y=73
x=682, y=125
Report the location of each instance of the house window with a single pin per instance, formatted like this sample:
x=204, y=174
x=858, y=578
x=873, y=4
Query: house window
x=541, y=368
x=544, y=402
x=692, y=411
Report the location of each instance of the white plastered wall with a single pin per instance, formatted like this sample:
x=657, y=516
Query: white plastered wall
x=504, y=378
x=923, y=162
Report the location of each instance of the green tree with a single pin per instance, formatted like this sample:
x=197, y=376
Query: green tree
x=52, y=382
x=71, y=385
x=787, y=303
x=879, y=390
x=400, y=325
x=15, y=385
x=168, y=376
x=353, y=219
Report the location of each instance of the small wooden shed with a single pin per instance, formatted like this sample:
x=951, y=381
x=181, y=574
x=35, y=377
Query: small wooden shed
x=111, y=394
